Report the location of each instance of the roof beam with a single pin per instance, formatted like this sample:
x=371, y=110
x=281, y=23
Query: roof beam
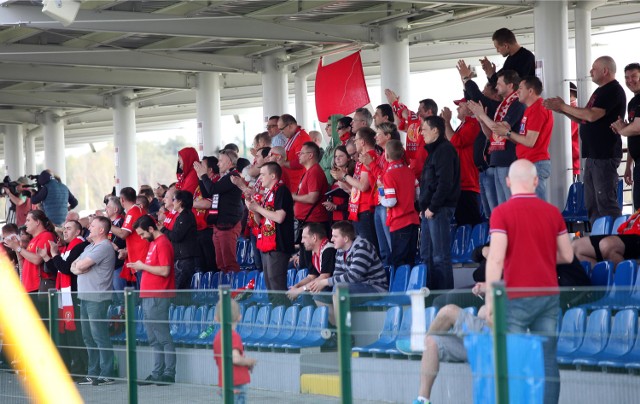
x=236, y=27
x=95, y=76
x=51, y=100
x=126, y=59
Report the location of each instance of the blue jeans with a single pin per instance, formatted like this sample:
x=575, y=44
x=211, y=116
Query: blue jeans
x=257, y=259
x=118, y=287
x=403, y=245
x=365, y=228
x=156, y=323
x=488, y=190
x=95, y=332
x=435, y=248
x=383, y=234
x=503, y=193
x=544, y=171
x=539, y=315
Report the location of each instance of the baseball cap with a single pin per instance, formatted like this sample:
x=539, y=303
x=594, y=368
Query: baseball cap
x=23, y=180
x=457, y=102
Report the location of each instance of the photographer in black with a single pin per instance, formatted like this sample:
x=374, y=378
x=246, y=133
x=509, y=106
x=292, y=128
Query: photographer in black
x=54, y=197
x=19, y=193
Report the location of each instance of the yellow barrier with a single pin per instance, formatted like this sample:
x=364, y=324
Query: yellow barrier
x=47, y=378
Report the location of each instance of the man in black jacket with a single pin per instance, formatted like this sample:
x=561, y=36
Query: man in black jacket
x=227, y=200
x=439, y=193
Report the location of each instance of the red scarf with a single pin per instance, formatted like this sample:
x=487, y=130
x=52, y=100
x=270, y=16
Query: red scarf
x=317, y=258
x=257, y=196
x=499, y=143
x=354, y=199
x=290, y=141
x=63, y=284
x=200, y=214
x=267, y=237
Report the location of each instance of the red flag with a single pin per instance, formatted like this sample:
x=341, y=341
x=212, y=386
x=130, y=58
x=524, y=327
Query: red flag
x=340, y=87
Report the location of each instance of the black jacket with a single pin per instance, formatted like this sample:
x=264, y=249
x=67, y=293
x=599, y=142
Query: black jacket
x=440, y=179
x=183, y=236
x=227, y=196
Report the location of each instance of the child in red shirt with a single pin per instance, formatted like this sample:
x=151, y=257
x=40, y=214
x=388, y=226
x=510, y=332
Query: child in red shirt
x=242, y=365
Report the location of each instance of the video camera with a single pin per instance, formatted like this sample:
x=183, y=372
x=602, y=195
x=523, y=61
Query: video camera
x=12, y=186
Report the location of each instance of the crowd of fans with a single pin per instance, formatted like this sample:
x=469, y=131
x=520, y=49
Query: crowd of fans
x=381, y=182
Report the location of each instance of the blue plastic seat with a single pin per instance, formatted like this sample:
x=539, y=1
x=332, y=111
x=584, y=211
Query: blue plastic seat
x=471, y=310
x=618, y=222
x=238, y=280
x=460, y=243
x=595, y=337
x=115, y=314
x=272, y=329
x=259, y=295
x=477, y=239
x=620, y=190
x=399, y=285
x=186, y=322
x=207, y=320
x=602, y=226
x=388, y=335
x=248, y=253
x=259, y=326
x=618, y=294
x=319, y=322
x=175, y=320
x=403, y=343
x=621, y=339
x=250, y=275
x=575, y=209
x=195, y=328
x=241, y=250
x=301, y=329
x=284, y=330
x=248, y=318
x=571, y=331
x=141, y=334
x=631, y=360
x=587, y=266
x=291, y=277
x=404, y=333
x=602, y=274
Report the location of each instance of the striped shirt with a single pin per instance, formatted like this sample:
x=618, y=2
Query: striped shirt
x=359, y=264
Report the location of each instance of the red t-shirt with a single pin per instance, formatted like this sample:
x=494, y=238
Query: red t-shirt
x=531, y=256
x=313, y=180
x=400, y=184
x=292, y=147
x=169, y=219
x=160, y=254
x=463, y=140
x=240, y=373
x=31, y=273
x=136, y=246
x=538, y=119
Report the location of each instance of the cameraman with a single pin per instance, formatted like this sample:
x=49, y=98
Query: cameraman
x=20, y=197
x=54, y=197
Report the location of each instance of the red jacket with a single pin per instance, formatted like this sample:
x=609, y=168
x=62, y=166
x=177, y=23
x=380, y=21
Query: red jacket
x=415, y=151
x=463, y=140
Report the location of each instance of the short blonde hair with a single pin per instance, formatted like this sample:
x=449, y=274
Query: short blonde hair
x=235, y=311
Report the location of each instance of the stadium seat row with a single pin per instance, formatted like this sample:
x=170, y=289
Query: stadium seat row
x=622, y=285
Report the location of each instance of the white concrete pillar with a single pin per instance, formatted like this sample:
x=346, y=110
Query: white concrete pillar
x=30, y=150
x=394, y=62
x=275, y=91
x=300, y=80
x=582, y=18
x=13, y=151
x=551, y=42
x=124, y=125
x=53, y=132
x=208, y=113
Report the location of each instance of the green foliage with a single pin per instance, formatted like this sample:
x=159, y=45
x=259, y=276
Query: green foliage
x=90, y=176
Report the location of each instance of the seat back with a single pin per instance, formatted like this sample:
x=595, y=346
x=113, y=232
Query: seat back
x=618, y=222
x=187, y=321
x=602, y=274
x=571, y=206
x=405, y=326
x=478, y=236
x=602, y=226
x=300, y=275
x=572, y=330
x=303, y=324
x=176, y=319
x=291, y=277
x=623, y=332
x=238, y=280
x=262, y=322
x=391, y=325
x=199, y=316
x=275, y=323
x=215, y=280
x=587, y=266
x=241, y=250
x=400, y=279
x=460, y=241
x=620, y=189
x=418, y=278
x=248, y=318
x=623, y=280
x=249, y=276
x=248, y=254
x=289, y=320
x=320, y=320
x=596, y=333
x=195, y=281
x=429, y=315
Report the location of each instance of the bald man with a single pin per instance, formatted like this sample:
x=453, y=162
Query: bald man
x=601, y=145
x=527, y=249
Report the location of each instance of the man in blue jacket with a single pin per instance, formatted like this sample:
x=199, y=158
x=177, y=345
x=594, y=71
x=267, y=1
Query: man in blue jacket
x=54, y=197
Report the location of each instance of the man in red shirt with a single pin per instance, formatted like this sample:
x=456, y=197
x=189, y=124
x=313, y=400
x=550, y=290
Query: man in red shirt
x=532, y=141
x=307, y=201
x=399, y=196
x=412, y=123
x=463, y=139
x=528, y=249
x=296, y=137
x=136, y=246
x=156, y=290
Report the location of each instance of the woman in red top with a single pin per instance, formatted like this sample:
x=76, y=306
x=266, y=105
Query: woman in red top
x=338, y=199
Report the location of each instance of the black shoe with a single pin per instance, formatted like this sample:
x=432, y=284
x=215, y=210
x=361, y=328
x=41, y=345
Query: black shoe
x=165, y=380
x=87, y=381
x=148, y=381
x=102, y=381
